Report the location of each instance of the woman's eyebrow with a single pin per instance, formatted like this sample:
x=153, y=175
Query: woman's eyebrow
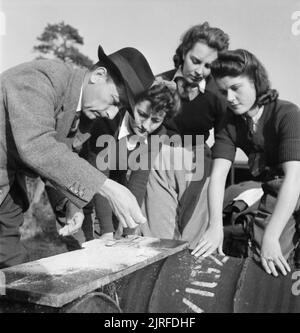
x=235, y=85
x=157, y=116
x=142, y=112
x=195, y=58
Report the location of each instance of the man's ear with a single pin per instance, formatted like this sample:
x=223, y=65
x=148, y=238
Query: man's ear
x=98, y=74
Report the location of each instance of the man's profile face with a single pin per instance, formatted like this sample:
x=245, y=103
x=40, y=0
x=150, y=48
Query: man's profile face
x=100, y=97
x=197, y=62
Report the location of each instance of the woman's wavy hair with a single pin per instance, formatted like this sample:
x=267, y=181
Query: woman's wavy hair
x=163, y=98
x=213, y=37
x=241, y=62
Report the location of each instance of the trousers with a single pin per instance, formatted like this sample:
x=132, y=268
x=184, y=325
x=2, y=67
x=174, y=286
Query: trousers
x=11, y=218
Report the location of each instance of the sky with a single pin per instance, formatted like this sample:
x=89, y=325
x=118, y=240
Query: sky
x=268, y=28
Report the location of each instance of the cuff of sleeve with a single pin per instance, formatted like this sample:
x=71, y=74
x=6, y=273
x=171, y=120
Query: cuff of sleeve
x=61, y=206
x=107, y=227
x=289, y=151
x=225, y=151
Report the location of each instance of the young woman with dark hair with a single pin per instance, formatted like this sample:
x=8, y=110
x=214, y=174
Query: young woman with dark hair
x=203, y=109
x=131, y=131
x=267, y=129
x=214, y=38
x=202, y=106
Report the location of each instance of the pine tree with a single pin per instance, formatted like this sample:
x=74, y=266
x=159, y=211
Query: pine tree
x=60, y=41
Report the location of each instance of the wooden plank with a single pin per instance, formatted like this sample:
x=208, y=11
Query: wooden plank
x=58, y=280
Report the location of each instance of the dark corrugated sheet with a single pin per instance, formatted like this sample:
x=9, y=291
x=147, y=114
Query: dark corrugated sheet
x=182, y=284
x=259, y=292
x=188, y=285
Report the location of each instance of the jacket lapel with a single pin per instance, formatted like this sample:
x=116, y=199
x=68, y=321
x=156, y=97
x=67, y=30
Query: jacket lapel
x=64, y=122
x=66, y=115
x=83, y=133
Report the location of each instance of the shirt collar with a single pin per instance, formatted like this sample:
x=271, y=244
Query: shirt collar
x=125, y=131
x=201, y=84
x=258, y=115
x=79, y=106
x=255, y=119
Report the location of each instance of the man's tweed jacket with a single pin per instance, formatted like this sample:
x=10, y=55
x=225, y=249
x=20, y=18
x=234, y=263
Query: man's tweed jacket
x=38, y=101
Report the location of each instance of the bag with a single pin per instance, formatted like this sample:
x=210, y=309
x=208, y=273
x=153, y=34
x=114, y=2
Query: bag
x=237, y=219
x=289, y=236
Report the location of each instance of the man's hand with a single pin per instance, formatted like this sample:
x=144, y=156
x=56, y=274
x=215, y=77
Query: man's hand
x=74, y=219
x=209, y=242
x=123, y=204
x=271, y=255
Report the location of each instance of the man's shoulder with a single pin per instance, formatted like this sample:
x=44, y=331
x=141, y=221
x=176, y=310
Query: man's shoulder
x=45, y=66
x=47, y=76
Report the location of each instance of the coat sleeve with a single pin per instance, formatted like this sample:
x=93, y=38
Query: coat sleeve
x=30, y=103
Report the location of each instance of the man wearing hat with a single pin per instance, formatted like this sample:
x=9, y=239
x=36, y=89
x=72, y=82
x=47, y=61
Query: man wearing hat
x=46, y=113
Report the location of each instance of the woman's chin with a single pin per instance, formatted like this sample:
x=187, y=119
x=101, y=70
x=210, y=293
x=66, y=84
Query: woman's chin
x=143, y=135
x=136, y=131
x=238, y=110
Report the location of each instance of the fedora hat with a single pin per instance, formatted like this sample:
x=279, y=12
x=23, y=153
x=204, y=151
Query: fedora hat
x=133, y=69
